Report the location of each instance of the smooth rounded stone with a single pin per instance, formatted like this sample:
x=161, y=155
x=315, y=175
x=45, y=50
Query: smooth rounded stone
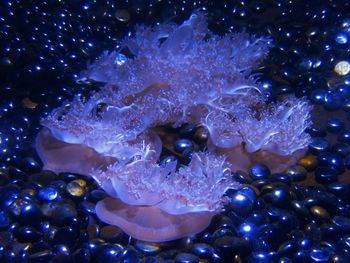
x=20, y=251
x=247, y=229
x=335, y=125
x=284, y=260
x=342, y=149
x=97, y=195
x=48, y=193
x=111, y=233
x=40, y=246
x=273, y=234
x=318, y=96
x=29, y=164
x=300, y=209
x=220, y=232
x=88, y=207
x=329, y=232
x=93, y=245
x=82, y=183
x=241, y=201
x=315, y=131
x=342, y=223
x=319, y=213
x=344, y=136
x=108, y=253
x=257, y=218
x=131, y=255
x=325, y=175
x=203, y=250
x=347, y=161
x=305, y=243
x=183, y=145
x=332, y=102
x=61, y=254
x=16, y=174
x=152, y=259
x=331, y=160
x=42, y=178
x=186, y=258
x=62, y=213
x=147, y=248
x=281, y=177
x=263, y=257
x=65, y=235
x=201, y=135
x=4, y=220
x=75, y=190
x=231, y=245
x=320, y=254
x=68, y=177
x=287, y=249
x=26, y=212
x=42, y=256
x=82, y=255
x=279, y=196
x=259, y=171
x=341, y=38
x=187, y=130
x=318, y=145
x=28, y=234
x=296, y=173
x=339, y=259
x=260, y=183
x=4, y=178
x=93, y=231
x=165, y=160
x=272, y=212
x=242, y=177
x=288, y=221
x=309, y=162
x=60, y=185
x=339, y=188
x=8, y=195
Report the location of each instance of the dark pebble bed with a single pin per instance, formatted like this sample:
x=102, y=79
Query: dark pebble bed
x=299, y=215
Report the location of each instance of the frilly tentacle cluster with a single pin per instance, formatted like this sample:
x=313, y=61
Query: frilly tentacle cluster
x=174, y=74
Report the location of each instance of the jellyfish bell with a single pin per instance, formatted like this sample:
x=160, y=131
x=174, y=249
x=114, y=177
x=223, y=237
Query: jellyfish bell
x=149, y=223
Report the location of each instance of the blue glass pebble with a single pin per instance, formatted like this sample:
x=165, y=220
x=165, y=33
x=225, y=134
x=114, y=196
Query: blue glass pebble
x=318, y=145
x=341, y=148
x=4, y=220
x=279, y=196
x=325, y=175
x=315, y=131
x=129, y=255
x=344, y=136
x=342, y=223
x=318, y=96
x=186, y=258
x=259, y=171
x=341, y=38
x=335, y=125
x=7, y=195
x=305, y=243
x=241, y=202
x=333, y=161
x=320, y=254
x=82, y=255
x=247, y=229
x=333, y=102
x=108, y=253
x=183, y=145
x=48, y=193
